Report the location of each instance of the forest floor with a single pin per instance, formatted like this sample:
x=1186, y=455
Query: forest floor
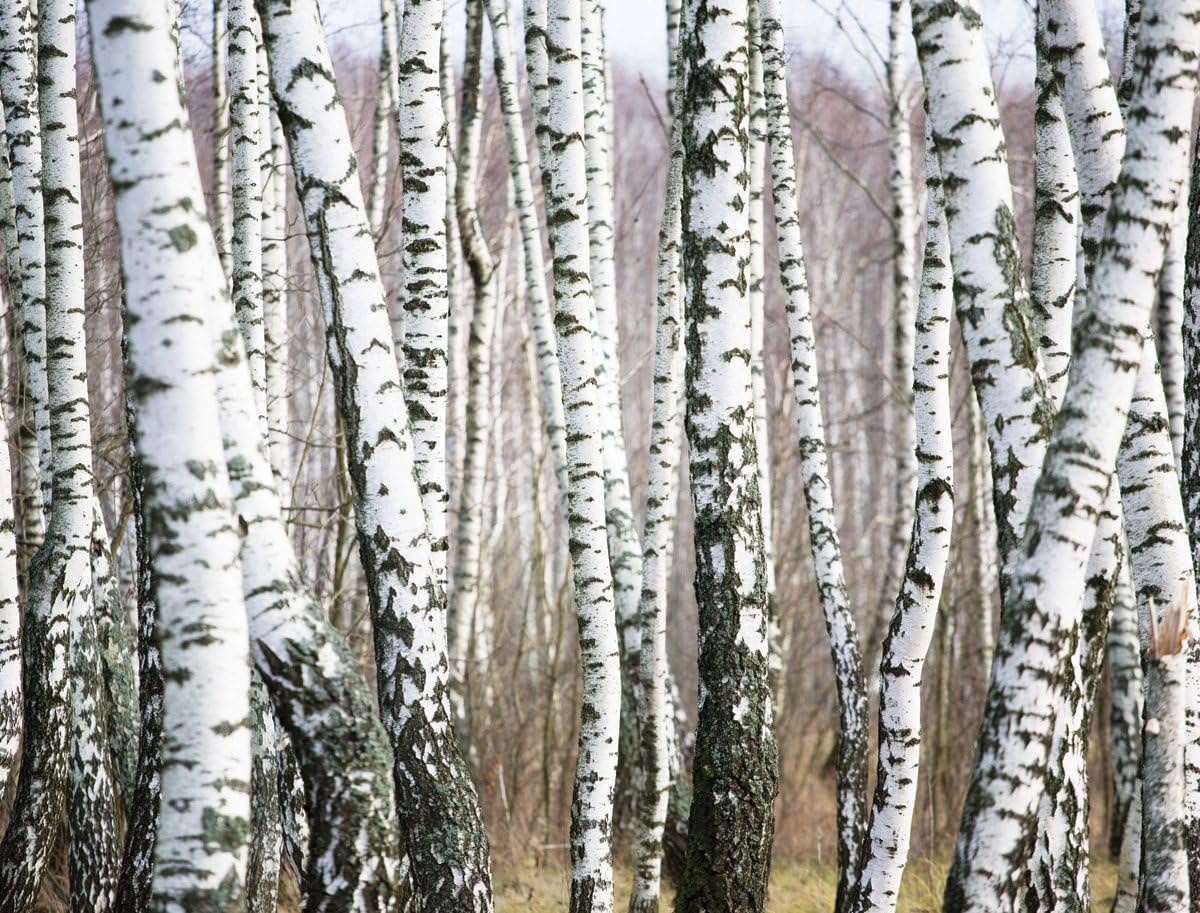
x=796, y=887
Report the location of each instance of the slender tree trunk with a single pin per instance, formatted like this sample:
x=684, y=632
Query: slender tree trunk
x=386, y=110
x=275, y=280
x=222, y=211
x=818, y=495
x=442, y=826
x=735, y=771
x=168, y=259
x=1123, y=651
x=118, y=649
x=654, y=712
x=1190, y=483
x=141, y=831
x=466, y=607
x=542, y=319
x=564, y=183
x=424, y=295
x=19, y=90
x=902, y=225
x=624, y=545
x=10, y=595
x=911, y=631
x=1163, y=574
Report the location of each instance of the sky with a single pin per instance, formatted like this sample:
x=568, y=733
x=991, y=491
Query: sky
x=853, y=33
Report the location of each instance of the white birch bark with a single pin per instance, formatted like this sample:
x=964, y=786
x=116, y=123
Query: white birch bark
x=465, y=604
x=386, y=110
x=911, y=631
x=10, y=618
x=1190, y=484
x=542, y=319
x=993, y=306
x=902, y=224
x=822, y=523
x=10, y=604
x=1062, y=523
x=1168, y=324
x=655, y=712
x=310, y=672
x=424, y=294
x=624, y=545
x=1123, y=652
x=1165, y=581
x=983, y=524
x=19, y=90
x=245, y=131
x=222, y=210
x=731, y=823
x=565, y=187
x=443, y=830
x=275, y=280
x=168, y=257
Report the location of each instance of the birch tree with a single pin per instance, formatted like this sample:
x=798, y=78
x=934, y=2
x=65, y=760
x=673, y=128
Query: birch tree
x=818, y=496
x=442, y=827
x=466, y=608
x=167, y=258
x=10, y=623
x=19, y=91
x=541, y=317
x=424, y=295
x=1190, y=485
x=911, y=630
x=1163, y=574
x=565, y=188
x=655, y=710
x=385, y=111
x=1066, y=508
x=902, y=224
x=731, y=825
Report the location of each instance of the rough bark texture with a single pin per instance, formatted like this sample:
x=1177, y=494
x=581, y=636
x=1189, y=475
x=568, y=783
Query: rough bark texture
x=818, y=494
x=564, y=184
x=911, y=630
x=655, y=717
x=735, y=773
x=1163, y=574
x=1042, y=606
x=442, y=828
x=167, y=263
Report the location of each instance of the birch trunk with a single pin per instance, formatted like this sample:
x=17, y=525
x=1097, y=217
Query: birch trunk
x=624, y=545
x=442, y=827
x=222, y=212
x=386, y=110
x=275, y=280
x=911, y=630
x=10, y=622
x=735, y=771
x=465, y=605
x=902, y=224
x=141, y=833
x=564, y=183
x=1123, y=651
x=1168, y=324
x=1062, y=524
x=542, y=319
x=818, y=495
x=1190, y=484
x=19, y=91
x=167, y=258
x=1163, y=574
x=655, y=717
x=245, y=132
x=10, y=595
x=424, y=295
x=316, y=690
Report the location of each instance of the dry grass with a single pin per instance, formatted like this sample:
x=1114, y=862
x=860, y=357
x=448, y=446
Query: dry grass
x=796, y=887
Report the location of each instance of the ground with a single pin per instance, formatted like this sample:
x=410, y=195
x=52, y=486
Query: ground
x=795, y=888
